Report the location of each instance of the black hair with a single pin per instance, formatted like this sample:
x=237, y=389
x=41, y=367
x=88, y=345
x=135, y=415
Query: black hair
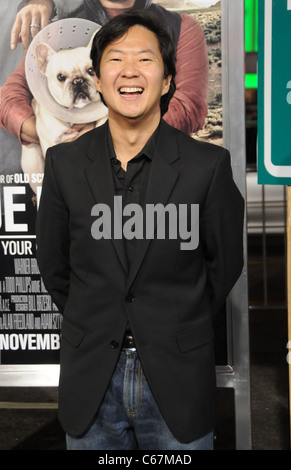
x=119, y=25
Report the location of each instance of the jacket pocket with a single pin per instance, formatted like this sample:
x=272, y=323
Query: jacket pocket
x=72, y=333
x=195, y=336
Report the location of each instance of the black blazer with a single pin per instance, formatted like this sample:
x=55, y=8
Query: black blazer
x=169, y=296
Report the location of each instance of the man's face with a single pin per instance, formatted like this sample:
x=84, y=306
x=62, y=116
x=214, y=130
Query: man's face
x=132, y=75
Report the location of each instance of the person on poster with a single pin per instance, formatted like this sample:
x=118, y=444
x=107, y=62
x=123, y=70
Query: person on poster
x=188, y=108
x=138, y=297
x=10, y=148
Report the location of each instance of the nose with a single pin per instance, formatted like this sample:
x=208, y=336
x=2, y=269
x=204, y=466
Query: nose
x=78, y=81
x=130, y=69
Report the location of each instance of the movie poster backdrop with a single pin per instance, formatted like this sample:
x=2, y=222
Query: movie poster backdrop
x=30, y=324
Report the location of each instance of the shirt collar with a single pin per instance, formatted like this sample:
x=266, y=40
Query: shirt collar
x=147, y=151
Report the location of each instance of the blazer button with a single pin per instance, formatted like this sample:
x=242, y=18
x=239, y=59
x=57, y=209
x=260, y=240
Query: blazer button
x=114, y=344
x=129, y=298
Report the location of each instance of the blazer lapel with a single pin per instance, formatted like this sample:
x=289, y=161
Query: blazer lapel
x=100, y=179
x=162, y=179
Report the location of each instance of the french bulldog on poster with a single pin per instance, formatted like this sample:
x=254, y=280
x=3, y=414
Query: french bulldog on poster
x=70, y=81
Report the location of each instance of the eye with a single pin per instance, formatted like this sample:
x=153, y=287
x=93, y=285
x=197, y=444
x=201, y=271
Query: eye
x=91, y=71
x=61, y=77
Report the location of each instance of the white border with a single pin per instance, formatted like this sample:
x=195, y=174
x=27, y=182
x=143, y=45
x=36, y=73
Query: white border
x=274, y=170
x=27, y=375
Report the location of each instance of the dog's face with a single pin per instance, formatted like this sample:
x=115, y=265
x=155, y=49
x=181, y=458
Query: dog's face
x=69, y=73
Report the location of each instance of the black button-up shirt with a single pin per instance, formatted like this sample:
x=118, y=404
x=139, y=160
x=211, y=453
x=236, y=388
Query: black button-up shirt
x=132, y=183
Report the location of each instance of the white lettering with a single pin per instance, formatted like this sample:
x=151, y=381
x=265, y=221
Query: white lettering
x=10, y=208
x=288, y=97
x=16, y=247
x=289, y=353
x=29, y=341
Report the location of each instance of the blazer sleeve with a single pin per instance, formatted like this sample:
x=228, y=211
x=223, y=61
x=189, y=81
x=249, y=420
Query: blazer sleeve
x=221, y=226
x=53, y=241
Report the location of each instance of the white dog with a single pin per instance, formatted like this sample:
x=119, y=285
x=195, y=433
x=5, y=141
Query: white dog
x=70, y=80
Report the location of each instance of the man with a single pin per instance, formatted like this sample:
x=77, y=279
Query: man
x=137, y=360
x=188, y=107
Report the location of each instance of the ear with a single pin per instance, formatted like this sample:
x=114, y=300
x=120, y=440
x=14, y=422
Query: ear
x=92, y=37
x=43, y=54
x=166, y=84
x=97, y=83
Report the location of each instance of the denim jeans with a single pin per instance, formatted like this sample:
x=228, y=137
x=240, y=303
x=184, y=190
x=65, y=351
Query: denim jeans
x=129, y=418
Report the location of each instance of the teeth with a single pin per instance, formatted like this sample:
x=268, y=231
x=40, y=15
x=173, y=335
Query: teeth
x=131, y=90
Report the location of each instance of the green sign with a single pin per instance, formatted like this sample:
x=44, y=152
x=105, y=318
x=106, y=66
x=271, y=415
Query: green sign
x=274, y=92
x=251, y=25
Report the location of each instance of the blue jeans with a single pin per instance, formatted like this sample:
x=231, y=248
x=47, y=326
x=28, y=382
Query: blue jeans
x=129, y=418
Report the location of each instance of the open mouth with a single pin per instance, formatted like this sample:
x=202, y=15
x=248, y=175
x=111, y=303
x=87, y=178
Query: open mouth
x=130, y=91
x=82, y=96
x=81, y=99
x=80, y=91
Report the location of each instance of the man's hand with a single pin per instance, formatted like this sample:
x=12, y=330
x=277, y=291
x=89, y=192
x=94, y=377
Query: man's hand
x=28, y=131
x=29, y=20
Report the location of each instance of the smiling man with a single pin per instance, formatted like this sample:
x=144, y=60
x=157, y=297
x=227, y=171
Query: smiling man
x=137, y=355
x=132, y=79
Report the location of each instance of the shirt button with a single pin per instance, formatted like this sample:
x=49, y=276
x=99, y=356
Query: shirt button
x=130, y=189
x=114, y=344
x=129, y=298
